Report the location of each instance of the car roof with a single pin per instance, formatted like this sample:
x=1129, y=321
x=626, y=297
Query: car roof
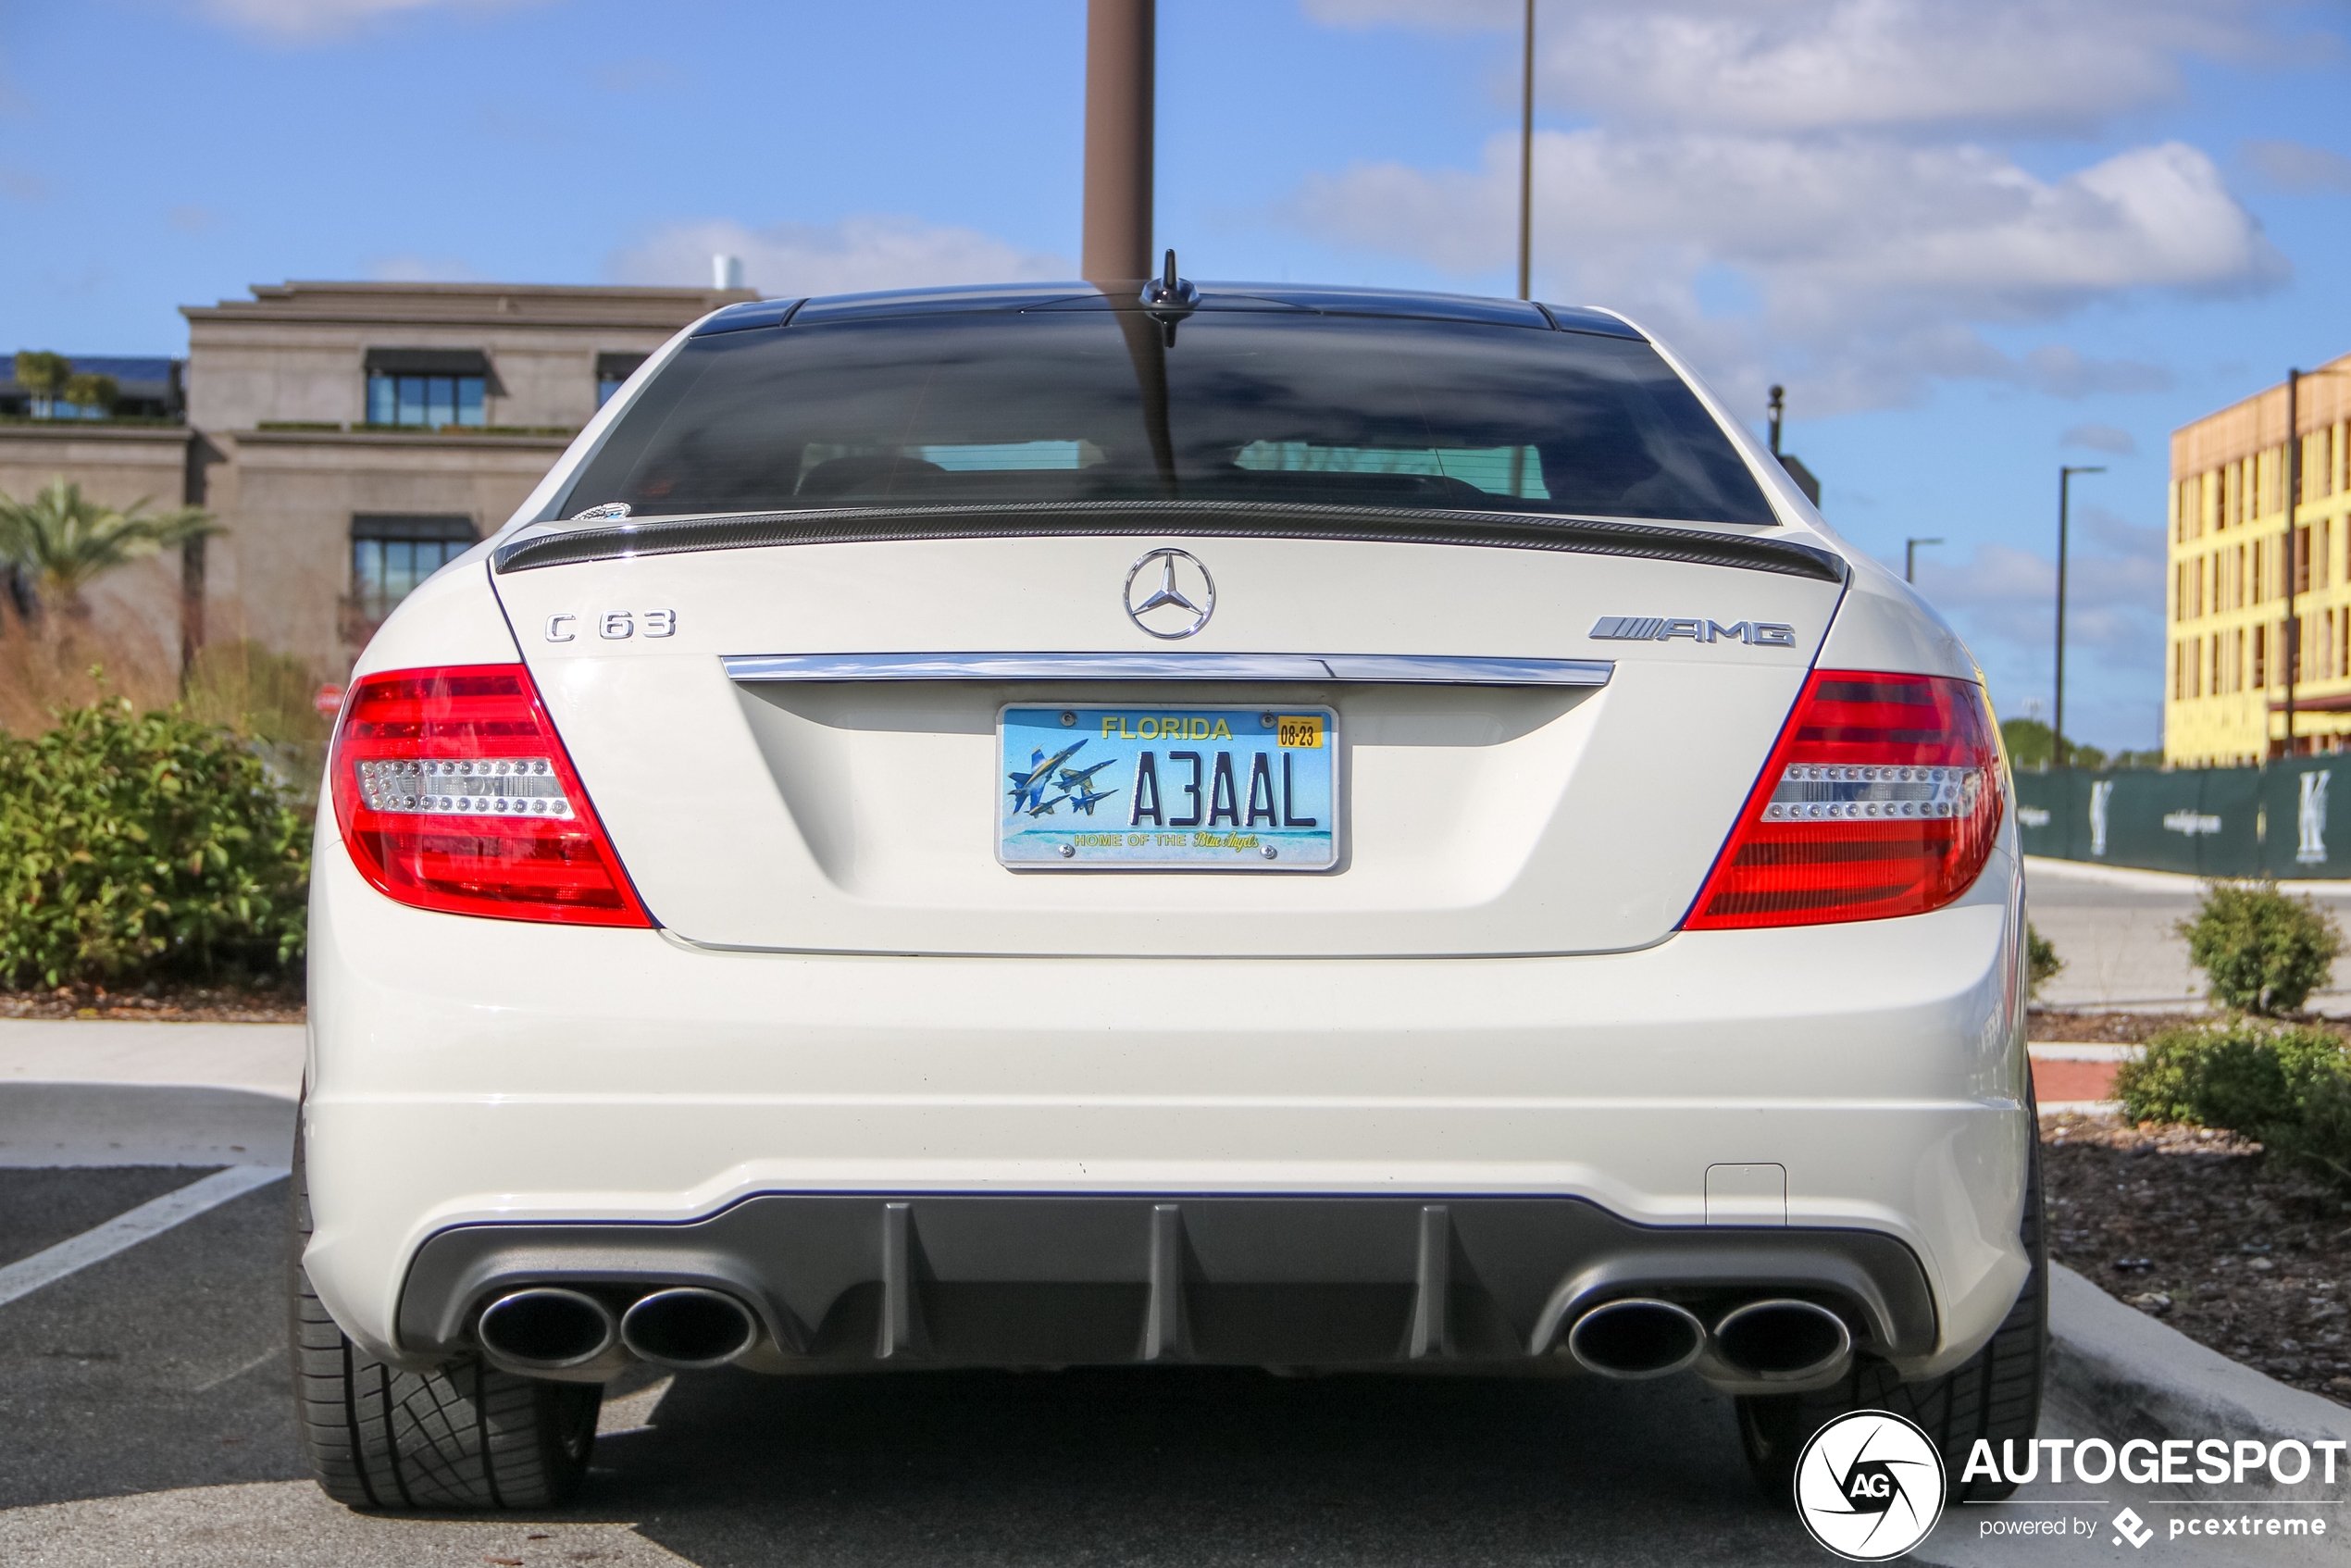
x=1277, y=298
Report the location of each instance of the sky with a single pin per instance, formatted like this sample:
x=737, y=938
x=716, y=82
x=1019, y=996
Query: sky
x=1974, y=240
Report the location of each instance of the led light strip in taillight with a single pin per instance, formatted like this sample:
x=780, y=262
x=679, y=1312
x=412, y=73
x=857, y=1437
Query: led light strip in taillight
x=1883, y=797
x=1855, y=794
x=508, y=787
x=454, y=793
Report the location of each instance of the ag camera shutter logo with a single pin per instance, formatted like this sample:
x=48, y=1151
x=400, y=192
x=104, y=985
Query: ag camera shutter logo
x=1869, y=1486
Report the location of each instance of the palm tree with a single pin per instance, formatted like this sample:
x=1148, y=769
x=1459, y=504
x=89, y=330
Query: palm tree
x=61, y=542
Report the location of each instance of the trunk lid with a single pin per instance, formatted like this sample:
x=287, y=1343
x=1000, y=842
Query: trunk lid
x=861, y=815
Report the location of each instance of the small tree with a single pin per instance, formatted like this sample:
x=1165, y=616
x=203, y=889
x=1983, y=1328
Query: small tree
x=42, y=374
x=2261, y=950
x=61, y=541
x=93, y=391
x=2028, y=742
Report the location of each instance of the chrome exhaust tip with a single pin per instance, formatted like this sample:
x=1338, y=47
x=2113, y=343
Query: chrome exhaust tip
x=546, y=1329
x=1784, y=1340
x=688, y=1329
x=1636, y=1338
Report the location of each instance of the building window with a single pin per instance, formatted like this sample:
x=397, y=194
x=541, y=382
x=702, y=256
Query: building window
x=392, y=553
x=428, y=388
x=611, y=369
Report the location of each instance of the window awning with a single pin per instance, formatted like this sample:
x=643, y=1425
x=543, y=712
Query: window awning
x=409, y=525
x=435, y=362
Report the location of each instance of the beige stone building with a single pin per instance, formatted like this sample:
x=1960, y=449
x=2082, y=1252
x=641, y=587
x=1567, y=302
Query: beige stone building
x=2239, y=632
x=351, y=437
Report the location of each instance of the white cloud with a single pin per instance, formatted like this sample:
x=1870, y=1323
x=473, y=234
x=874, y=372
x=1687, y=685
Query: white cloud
x=1811, y=65
x=2290, y=166
x=301, y=20
x=2113, y=588
x=2101, y=438
x=1875, y=260
x=851, y=257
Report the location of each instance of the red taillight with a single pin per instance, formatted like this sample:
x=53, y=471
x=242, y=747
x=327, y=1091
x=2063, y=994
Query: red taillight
x=1882, y=798
x=454, y=793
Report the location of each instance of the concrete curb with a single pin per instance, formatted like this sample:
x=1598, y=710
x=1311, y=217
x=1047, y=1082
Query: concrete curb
x=2179, y=882
x=2151, y=1380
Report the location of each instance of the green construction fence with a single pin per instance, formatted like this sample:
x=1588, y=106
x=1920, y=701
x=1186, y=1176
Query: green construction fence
x=2269, y=821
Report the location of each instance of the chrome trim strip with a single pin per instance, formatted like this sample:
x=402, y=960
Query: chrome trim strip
x=1405, y=669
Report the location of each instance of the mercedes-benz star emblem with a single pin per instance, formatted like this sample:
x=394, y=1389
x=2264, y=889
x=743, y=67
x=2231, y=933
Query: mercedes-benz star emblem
x=1181, y=594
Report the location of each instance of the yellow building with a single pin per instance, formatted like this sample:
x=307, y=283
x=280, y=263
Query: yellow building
x=2230, y=611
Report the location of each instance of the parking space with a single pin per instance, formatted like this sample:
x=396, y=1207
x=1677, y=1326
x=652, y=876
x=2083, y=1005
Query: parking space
x=144, y=1417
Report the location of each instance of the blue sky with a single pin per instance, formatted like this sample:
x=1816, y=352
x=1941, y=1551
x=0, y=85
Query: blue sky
x=1974, y=240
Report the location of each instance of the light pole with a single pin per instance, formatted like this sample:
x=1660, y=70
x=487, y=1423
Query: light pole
x=1910, y=557
x=2056, y=728
x=1526, y=162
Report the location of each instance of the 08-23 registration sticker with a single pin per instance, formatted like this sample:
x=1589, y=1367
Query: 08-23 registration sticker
x=1129, y=788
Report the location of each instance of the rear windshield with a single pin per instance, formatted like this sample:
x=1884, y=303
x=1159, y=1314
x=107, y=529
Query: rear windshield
x=1093, y=405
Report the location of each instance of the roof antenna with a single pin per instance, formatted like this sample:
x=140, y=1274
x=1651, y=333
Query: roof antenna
x=1168, y=298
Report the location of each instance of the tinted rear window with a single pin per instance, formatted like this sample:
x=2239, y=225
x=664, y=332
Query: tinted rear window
x=1091, y=406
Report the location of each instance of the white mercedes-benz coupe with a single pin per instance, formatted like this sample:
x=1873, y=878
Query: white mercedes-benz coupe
x=1251, y=825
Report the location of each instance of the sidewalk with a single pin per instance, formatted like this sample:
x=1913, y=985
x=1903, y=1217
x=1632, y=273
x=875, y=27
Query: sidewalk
x=103, y=1092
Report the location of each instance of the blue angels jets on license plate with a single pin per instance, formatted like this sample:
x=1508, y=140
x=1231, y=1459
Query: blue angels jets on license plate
x=1135, y=788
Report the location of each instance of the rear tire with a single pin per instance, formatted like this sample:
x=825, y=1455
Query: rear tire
x=1995, y=1394
x=464, y=1436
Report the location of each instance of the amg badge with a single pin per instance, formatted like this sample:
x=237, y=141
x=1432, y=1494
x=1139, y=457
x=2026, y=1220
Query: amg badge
x=1659, y=628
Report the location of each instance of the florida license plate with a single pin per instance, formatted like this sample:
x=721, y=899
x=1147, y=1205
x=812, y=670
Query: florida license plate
x=1177, y=787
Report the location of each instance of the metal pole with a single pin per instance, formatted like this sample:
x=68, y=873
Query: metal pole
x=1119, y=68
x=1526, y=162
x=2057, y=729
x=1779, y=404
x=1911, y=556
x=2292, y=503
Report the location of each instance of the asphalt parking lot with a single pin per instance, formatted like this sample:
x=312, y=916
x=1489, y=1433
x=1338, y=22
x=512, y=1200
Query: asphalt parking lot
x=144, y=1417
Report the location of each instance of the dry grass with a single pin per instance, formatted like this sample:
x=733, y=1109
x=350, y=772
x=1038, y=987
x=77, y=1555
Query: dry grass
x=64, y=662
x=60, y=661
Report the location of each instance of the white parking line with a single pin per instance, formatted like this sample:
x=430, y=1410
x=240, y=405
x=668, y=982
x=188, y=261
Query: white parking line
x=125, y=1230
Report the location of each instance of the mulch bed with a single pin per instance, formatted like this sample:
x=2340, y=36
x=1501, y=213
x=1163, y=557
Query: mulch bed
x=2191, y=1227
x=162, y=1003
x=2070, y=1027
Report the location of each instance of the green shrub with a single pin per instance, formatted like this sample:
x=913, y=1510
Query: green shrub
x=2042, y=963
x=2262, y=951
x=2288, y=1089
x=135, y=844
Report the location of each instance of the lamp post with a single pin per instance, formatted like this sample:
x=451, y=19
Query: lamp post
x=2056, y=728
x=1526, y=162
x=1910, y=557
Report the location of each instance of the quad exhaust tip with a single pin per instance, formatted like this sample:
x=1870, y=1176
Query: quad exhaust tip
x=688, y=1329
x=545, y=1328
x=1636, y=1338
x=1784, y=1340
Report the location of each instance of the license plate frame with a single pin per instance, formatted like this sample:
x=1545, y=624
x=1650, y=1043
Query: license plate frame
x=1219, y=806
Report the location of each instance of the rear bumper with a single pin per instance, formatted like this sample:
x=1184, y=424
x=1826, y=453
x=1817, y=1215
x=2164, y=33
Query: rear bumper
x=940, y=1280
x=480, y=1086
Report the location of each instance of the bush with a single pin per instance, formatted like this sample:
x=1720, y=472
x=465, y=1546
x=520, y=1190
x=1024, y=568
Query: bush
x=2042, y=963
x=2262, y=951
x=2289, y=1088
x=143, y=844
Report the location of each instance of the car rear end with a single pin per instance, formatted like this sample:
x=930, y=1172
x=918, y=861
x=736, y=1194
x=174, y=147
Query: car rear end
x=1525, y=896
